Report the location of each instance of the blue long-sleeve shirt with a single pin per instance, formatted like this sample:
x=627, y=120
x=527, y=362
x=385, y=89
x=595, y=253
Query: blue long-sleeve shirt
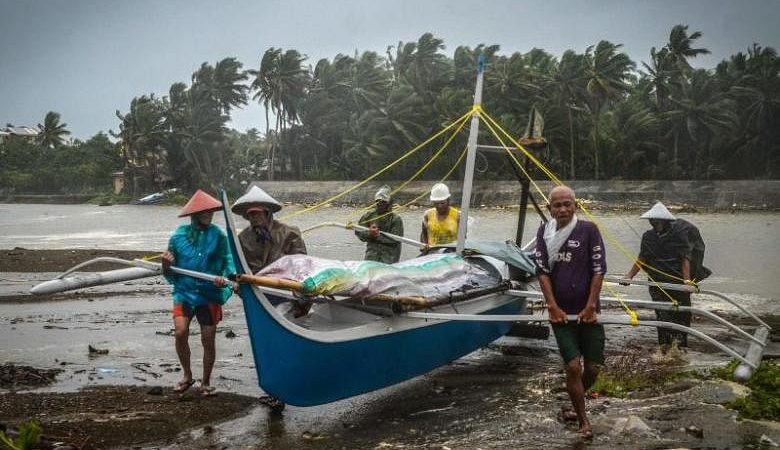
x=202, y=251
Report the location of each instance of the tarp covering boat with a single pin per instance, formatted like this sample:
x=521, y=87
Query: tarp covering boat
x=426, y=276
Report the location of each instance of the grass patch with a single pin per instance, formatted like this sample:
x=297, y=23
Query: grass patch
x=633, y=369
x=175, y=199
x=27, y=438
x=763, y=402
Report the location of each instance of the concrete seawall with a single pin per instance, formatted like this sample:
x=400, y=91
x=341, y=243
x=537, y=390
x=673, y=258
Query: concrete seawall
x=716, y=195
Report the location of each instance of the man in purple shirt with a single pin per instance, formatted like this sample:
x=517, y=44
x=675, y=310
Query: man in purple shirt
x=571, y=264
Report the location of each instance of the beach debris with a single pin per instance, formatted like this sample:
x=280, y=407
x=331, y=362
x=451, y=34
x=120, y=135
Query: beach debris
x=155, y=390
x=274, y=403
x=93, y=351
x=145, y=368
x=230, y=334
x=313, y=436
x=12, y=376
x=695, y=431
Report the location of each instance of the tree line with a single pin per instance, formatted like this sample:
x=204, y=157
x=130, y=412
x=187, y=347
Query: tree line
x=605, y=116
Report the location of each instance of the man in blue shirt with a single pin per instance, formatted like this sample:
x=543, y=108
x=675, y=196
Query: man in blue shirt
x=200, y=246
x=571, y=264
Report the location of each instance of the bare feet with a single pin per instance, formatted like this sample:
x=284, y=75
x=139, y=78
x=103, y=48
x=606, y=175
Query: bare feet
x=567, y=415
x=585, y=432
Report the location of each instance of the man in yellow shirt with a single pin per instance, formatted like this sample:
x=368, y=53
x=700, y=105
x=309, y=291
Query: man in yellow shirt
x=440, y=223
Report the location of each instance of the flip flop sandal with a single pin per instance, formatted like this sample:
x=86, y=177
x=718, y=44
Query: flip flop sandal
x=207, y=391
x=183, y=386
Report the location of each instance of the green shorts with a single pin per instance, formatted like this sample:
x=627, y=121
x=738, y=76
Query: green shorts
x=575, y=339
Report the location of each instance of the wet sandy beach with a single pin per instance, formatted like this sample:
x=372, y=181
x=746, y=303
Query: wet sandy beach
x=504, y=396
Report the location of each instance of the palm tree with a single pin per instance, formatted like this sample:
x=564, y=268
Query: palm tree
x=223, y=83
x=51, y=134
x=607, y=74
x=680, y=47
x=262, y=85
x=565, y=82
x=280, y=85
x=707, y=116
x=754, y=83
x=143, y=132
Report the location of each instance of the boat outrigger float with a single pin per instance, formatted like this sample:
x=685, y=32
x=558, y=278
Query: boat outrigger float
x=352, y=344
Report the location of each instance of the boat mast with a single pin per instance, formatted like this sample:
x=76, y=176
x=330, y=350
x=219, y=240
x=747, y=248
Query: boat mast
x=525, y=185
x=470, y=158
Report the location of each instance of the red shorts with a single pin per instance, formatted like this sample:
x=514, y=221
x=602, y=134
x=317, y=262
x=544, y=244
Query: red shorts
x=209, y=314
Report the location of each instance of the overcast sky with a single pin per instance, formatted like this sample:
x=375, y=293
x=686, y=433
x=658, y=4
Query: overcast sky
x=87, y=58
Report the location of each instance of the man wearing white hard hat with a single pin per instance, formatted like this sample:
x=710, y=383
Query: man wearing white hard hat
x=378, y=247
x=440, y=223
x=671, y=252
x=265, y=240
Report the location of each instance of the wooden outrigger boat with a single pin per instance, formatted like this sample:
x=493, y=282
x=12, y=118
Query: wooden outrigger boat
x=339, y=351
x=346, y=346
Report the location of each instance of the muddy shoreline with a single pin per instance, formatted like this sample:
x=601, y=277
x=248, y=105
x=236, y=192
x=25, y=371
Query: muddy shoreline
x=34, y=261
x=503, y=396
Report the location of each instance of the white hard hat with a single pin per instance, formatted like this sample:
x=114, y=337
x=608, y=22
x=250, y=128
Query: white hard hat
x=255, y=196
x=658, y=211
x=383, y=194
x=439, y=192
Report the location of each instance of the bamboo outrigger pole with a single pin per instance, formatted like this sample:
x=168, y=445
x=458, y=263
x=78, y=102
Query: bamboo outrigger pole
x=395, y=237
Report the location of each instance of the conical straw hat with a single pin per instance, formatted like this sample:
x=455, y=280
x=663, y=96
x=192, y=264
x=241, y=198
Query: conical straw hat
x=658, y=211
x=200, y=202
x=255, y=196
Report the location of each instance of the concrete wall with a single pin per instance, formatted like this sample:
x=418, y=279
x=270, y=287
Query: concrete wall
x=726, y=194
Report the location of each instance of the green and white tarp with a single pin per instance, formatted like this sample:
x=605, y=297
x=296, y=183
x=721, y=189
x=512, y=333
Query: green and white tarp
x=428, y=275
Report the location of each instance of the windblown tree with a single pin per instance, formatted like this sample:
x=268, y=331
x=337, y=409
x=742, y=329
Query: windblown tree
x=51, y=134
x=753, y=81
x=565, y=86
x=350, y=115
x=196, y=119
x=280, y=86
x=707, y=116
x=607, y=75
x=143, y=133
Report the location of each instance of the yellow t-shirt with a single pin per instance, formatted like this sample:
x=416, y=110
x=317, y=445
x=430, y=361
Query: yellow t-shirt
x=444, y=231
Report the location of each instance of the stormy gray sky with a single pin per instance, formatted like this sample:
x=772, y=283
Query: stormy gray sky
x=87, y=58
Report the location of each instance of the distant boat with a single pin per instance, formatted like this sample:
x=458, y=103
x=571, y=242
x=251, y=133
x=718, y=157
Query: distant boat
x=156, y=198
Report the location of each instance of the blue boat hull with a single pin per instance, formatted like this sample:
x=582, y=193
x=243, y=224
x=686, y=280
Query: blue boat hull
x=307, y=369
x=305, y=372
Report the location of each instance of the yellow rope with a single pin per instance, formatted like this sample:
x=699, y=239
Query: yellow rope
x=376, y=174
x=452, y=169
x=605, y=232
x=152, y=257
x=493, y=125
x=514, y=158
x=435, y=156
